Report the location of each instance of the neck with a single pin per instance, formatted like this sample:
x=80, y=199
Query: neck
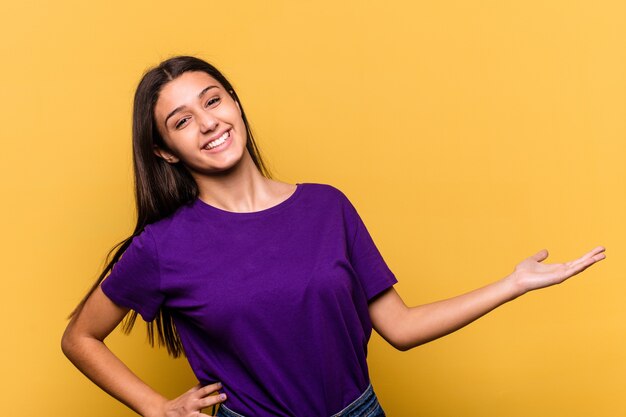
x=241, y=188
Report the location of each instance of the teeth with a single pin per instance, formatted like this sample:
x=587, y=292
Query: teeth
x=217, y=142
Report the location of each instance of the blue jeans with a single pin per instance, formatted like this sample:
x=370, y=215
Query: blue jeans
x=366, y=405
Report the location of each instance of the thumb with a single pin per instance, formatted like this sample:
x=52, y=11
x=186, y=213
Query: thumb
x=540, y=256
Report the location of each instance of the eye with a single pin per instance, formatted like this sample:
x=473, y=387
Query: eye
x=213, y=100
x=181, y=122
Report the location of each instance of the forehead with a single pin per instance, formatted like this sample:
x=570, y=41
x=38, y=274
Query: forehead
x=183, y=90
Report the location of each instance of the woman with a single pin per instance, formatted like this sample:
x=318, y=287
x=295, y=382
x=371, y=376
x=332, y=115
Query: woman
x=270, y=289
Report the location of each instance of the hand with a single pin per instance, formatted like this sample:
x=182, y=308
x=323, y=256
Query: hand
x=530, y=274
x=193, y=401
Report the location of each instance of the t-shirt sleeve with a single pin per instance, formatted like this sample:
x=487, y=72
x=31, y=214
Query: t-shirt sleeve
x=134, y=281
x=368, y=263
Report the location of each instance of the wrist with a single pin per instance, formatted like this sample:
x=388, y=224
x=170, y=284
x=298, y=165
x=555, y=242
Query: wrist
x=155, y=408
x=513, y=286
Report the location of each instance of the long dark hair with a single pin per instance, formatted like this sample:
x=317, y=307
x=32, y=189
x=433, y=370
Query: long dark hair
x=161, y=188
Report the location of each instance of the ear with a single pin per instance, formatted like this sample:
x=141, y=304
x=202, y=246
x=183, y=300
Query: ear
x=167, y=156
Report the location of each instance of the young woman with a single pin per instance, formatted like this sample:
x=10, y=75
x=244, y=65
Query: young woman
x=270, y=289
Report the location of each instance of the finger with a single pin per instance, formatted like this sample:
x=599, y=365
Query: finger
x=540, y=256
x=208, y=389
x=582, y=265
x=213, y=400
x=591, y=254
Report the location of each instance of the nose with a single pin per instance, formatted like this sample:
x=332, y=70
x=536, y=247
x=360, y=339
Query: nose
x=207, y=121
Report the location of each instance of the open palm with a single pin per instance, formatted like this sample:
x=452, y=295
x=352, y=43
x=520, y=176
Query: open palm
x=531, y=274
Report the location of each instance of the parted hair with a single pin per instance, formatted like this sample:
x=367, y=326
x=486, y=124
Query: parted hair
x=160, y=187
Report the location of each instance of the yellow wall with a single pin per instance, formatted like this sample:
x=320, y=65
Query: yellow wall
x=468, y=134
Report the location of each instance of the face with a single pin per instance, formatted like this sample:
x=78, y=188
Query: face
x=200, y=123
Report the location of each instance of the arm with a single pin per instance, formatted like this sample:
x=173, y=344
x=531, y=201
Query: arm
x=83, y=344
x=407, y=327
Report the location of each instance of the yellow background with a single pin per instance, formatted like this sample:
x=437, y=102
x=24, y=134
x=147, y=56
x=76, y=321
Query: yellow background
x=468, y=134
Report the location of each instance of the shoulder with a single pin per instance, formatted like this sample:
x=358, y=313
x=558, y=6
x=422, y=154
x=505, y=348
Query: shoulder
x=332, y=201
x=173, y=225
x=326, y=192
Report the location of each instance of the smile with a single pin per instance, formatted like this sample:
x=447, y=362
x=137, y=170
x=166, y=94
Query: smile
x=217, y=142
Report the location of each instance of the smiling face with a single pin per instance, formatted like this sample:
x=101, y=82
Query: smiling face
x=200, y=123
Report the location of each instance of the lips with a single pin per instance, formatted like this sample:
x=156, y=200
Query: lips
x=214, y=137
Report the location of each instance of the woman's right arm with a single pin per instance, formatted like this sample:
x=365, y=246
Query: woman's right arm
x=83, y=344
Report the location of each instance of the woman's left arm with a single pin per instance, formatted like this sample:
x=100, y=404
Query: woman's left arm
x=407, y=327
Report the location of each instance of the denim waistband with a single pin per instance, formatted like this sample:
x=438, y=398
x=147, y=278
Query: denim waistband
x=366, y=405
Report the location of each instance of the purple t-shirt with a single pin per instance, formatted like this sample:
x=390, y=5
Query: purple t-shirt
x=272, y=303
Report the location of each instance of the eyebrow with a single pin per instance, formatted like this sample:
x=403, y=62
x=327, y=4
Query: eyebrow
x=179, y=108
